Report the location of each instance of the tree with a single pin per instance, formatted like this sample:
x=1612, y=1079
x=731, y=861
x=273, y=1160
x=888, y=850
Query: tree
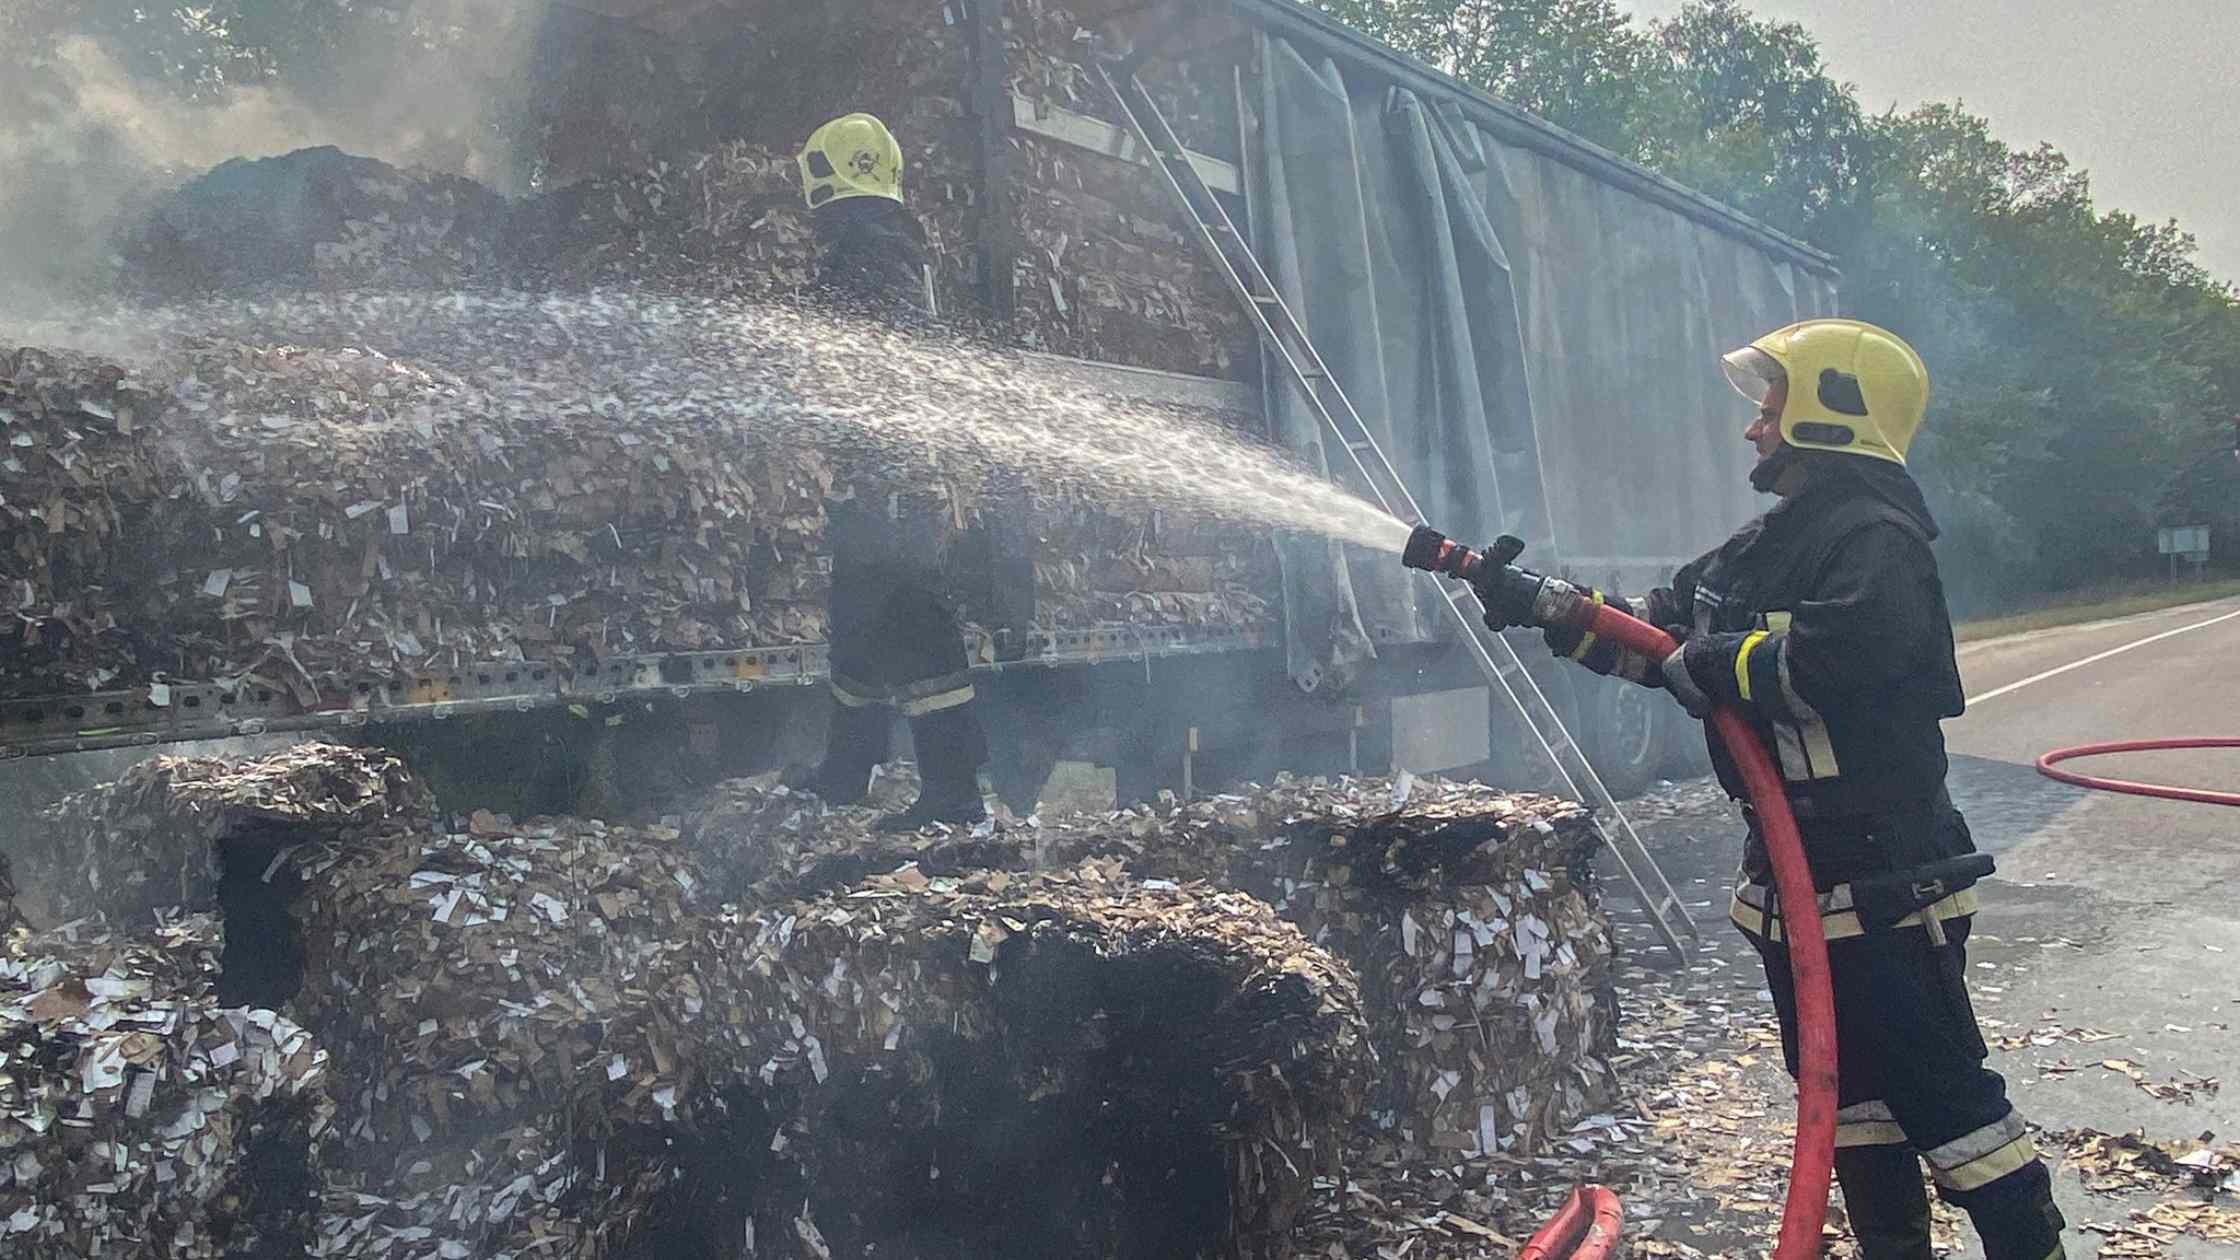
x=2082, y=357
x=198, y=51
x=1749, y=115
x=1734, y=105
x=1580, y=64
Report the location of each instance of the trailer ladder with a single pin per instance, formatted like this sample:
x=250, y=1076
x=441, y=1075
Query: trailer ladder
x=1287, y=343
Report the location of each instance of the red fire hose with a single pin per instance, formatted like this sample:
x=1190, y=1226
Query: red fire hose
x=2202, y=795
x=1586, y=1226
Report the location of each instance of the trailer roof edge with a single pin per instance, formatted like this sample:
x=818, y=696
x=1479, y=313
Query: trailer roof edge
x=1294, y=20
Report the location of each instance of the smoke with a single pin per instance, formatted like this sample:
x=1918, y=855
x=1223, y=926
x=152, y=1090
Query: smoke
x=87, y=145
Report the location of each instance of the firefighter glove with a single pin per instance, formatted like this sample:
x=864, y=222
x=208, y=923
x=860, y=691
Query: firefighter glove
x=1681, y=682
x=1506, y=606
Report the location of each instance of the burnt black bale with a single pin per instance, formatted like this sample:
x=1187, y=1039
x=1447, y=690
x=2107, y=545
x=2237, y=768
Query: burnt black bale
x=1058, y=1064
x=314, y=215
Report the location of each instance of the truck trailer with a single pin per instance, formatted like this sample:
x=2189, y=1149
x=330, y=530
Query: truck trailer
x=1528, y=324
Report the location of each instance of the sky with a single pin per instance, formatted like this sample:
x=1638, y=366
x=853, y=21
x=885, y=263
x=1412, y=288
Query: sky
x=2144, y=94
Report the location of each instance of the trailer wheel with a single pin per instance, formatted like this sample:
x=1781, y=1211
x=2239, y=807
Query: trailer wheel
x=1625, y=735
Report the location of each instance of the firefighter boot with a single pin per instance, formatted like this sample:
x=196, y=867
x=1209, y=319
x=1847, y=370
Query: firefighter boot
x=1887, y=1201
x=856, y=739
x=950, y=746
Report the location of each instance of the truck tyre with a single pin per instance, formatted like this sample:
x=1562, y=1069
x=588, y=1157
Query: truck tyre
x=1625, y=735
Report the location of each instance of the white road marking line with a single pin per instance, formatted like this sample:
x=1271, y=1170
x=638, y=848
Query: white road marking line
x=2097, y=657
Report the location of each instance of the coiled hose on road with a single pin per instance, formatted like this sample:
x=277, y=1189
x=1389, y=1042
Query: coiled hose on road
x=2204, y=796
x=1587, y=1225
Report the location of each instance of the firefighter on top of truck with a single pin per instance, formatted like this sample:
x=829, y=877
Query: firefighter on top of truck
x=897, y=646
x=1824, y=622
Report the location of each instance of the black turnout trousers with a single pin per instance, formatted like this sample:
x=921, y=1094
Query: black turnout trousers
x=1912, y=1088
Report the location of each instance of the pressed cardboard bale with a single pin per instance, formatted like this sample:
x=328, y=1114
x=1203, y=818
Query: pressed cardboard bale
x=166, y=832
x=140, y=1118
x=1067, y=1063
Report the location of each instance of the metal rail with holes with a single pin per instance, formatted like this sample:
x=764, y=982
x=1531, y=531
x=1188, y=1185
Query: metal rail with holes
x=175, y=712
x=1286, y=341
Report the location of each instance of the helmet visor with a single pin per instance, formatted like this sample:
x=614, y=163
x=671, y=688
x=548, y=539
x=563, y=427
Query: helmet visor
x=1752, y=372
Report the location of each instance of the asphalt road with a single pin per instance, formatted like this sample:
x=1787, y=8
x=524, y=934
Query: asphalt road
x=2112, y=913
x=2185, y=684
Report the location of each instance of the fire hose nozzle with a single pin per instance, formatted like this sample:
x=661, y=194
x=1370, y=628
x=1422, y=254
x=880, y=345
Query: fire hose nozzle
x=1434, y=552
x=1425, y=546
x=1517, y=597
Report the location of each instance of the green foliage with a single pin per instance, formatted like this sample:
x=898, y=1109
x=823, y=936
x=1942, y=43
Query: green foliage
x=200, y=50
x=1580, y=64
x=2086, y=363
x=435, y=82
x=1752, y=118
x=2086, y=368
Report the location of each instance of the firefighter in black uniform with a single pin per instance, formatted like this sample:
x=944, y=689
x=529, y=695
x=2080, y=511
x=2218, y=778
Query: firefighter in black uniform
x=896, y=642
x=1825, y=622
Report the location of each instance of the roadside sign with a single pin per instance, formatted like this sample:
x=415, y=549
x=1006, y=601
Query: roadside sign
x=2183, y=540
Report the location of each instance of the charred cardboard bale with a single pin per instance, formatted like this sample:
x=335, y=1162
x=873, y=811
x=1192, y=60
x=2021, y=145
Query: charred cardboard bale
x=1096, y=563
x=526, y=1020
x=320, y=216
x=78, y=478
x=199, y=832
x=1063, y=1064
x=1472, y=916
x=526, y=1190
x=743, y=829
x=727, y=221
x=615, y=480
x=252, y=527
x=762, y=844
x=1106, y=269
x=222, y=542
x=140, y=1118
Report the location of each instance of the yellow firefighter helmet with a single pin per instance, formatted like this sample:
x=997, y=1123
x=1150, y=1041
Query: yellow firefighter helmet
x=851, y=156
x=1854, y=389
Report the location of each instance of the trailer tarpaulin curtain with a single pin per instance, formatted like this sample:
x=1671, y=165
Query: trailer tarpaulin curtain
x=1318, y=223
x=1373, y=233
x=1536, y=349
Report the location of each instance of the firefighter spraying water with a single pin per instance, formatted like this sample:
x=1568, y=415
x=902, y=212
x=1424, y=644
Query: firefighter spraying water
x=1819, y=631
